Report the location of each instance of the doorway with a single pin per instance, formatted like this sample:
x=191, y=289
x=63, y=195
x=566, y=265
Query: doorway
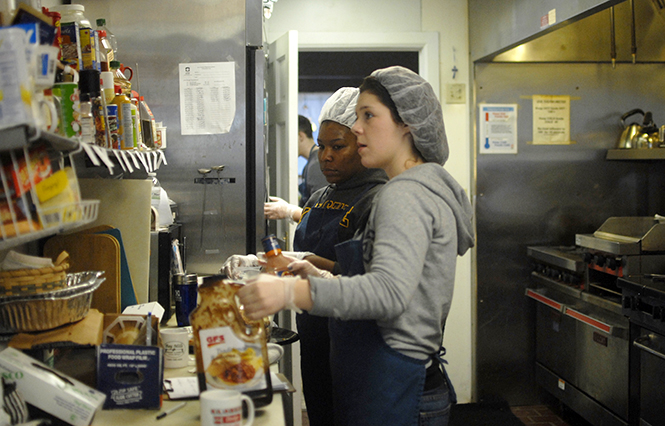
x=321, y=73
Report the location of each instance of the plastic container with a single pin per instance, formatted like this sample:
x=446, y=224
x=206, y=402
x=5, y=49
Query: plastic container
x=90, y=92
x=276, y=263
x=231, y=352
x=120, y=79
x=72, y=13
x=125, y=128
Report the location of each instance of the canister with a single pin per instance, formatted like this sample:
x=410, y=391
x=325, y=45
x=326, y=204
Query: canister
x=184, y=294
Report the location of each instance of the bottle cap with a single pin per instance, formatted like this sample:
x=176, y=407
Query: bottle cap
x=89, y=82
x=115, y=64
x=68, y=7
x=101, y=22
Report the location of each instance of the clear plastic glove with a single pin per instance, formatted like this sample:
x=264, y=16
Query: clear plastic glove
x=305, y=269
x=266, y=295
x=232, y=265
x=280, y=209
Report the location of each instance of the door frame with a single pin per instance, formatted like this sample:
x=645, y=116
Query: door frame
x=425, y=43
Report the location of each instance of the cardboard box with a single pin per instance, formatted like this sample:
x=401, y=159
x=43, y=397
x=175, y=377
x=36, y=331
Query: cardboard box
x=129, y=373
x=53, y=392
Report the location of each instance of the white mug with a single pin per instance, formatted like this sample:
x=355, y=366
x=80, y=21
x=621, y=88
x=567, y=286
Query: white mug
x=176, y=347
x=224, y=407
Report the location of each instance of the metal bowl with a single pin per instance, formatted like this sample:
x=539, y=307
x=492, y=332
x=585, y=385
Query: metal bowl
x=49, y=310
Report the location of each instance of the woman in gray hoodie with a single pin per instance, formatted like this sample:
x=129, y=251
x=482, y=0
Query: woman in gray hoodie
x=388, y=312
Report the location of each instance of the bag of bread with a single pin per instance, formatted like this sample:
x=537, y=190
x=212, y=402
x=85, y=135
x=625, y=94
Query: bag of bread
x=231, y=352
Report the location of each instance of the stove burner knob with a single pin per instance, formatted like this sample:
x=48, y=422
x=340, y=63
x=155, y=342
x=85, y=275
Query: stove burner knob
x=612, y=263
x=588, y=257
x=600, y=260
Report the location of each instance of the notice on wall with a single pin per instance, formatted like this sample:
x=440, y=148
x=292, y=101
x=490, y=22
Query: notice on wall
x=207, y=97
x=498, y=129
x=551, y=120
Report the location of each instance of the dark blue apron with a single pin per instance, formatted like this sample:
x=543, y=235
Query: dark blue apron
x=317, y=232
x=373, y=384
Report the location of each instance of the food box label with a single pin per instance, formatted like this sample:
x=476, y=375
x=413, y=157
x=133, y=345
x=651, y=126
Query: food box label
x=229, y=362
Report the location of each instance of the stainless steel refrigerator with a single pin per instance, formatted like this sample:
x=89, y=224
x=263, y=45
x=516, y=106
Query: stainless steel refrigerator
x=221, y=211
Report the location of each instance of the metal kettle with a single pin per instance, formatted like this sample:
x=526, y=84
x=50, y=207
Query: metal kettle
x=630, y=131
x=648, y=134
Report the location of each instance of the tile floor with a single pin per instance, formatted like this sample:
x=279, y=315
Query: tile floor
x=535, y=415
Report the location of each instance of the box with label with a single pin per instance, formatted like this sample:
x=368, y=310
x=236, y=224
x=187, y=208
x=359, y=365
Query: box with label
x=129, y=369
x=130, y=376
x=53, y=392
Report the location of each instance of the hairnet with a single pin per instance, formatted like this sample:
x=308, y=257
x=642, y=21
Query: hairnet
x=419, y=108
x=341, y=107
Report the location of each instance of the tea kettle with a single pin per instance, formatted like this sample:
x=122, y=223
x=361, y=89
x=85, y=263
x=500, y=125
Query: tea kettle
x=631, y=131
x=648, y=136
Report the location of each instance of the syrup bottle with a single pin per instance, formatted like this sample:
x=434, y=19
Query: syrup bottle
x=231, y=351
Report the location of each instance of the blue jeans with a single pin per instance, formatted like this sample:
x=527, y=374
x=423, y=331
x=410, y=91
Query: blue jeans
x=435, y=407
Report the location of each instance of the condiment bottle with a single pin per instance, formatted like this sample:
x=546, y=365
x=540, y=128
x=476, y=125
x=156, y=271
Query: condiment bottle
x=110, y=38
x=120, y=78
x=91, y=100
x=125, y=127
x=231, y=351
x=276, y=263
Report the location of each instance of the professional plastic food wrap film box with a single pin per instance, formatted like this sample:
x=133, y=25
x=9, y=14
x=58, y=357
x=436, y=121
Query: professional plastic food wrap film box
x=53, y=392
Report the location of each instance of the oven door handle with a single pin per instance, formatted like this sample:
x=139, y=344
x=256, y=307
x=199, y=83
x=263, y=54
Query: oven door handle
x=643, y=342
x=538, y=297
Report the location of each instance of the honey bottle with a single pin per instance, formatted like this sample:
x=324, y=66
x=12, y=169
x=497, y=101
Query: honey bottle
x=231, y=351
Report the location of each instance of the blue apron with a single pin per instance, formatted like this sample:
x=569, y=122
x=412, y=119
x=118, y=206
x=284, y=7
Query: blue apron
x=318, y=232
x=373, y=384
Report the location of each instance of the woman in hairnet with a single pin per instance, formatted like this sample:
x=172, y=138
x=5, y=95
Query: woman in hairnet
x=388, y=317
x=330, y=216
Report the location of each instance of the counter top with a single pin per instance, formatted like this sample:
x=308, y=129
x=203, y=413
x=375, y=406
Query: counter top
x=189, y=415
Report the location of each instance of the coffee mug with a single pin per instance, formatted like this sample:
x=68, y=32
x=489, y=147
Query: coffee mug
x=224, y=407
x=176, y=347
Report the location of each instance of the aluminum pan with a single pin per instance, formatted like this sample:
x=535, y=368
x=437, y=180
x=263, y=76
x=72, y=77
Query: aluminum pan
x=50, y=310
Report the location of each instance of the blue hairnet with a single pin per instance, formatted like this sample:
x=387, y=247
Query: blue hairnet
x=341, y=107
x=419, y=108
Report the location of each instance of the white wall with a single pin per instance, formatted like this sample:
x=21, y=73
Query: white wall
x=449, y=19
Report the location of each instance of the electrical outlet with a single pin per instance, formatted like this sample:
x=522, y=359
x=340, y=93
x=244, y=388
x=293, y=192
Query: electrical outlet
x=456, y=93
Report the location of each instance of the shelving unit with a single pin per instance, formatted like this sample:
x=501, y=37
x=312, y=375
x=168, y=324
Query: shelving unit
x=636, y=154
x=24, y=219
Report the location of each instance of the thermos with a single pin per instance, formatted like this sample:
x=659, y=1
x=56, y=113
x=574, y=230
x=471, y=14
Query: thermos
x=185, y=294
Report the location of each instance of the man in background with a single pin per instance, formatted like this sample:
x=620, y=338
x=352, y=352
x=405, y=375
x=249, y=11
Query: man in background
x=312, y=177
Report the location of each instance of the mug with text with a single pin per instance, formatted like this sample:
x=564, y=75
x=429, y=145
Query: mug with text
x=224, y=407
x=176, y=347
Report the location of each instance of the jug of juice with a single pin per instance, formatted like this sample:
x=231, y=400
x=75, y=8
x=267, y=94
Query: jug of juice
x=231, y=352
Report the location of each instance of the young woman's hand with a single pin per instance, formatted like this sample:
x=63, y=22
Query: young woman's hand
x=266, y=295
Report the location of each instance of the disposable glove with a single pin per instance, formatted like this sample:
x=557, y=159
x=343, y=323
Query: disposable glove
x=266, y=295
x=232, y=265
x=280, y=209
x=305, y=269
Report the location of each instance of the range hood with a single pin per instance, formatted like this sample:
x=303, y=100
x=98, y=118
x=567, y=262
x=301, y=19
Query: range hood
x=584, y=31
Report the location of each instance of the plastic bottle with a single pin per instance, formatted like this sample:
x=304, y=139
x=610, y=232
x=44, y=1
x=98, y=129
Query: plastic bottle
x=72, y=20
x=159, y=199
x=231, y=352
x=136, y=124
x=90, y=93
x=125, y=128
x=110, y=37
x=112, y=114
x=120, y=79
x=105, y=51
x=276, y=263
x=107, y=86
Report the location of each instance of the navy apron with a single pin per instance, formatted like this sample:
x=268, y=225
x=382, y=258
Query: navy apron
x=317, y=232
x=373, y=384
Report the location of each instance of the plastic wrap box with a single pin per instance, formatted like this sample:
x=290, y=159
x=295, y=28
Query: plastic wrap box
x=53, y=392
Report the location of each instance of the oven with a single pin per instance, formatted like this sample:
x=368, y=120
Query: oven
x=585, y=342
x=644, y=304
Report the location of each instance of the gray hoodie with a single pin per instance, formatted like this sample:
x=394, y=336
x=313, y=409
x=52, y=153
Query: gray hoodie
x=420, y=221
